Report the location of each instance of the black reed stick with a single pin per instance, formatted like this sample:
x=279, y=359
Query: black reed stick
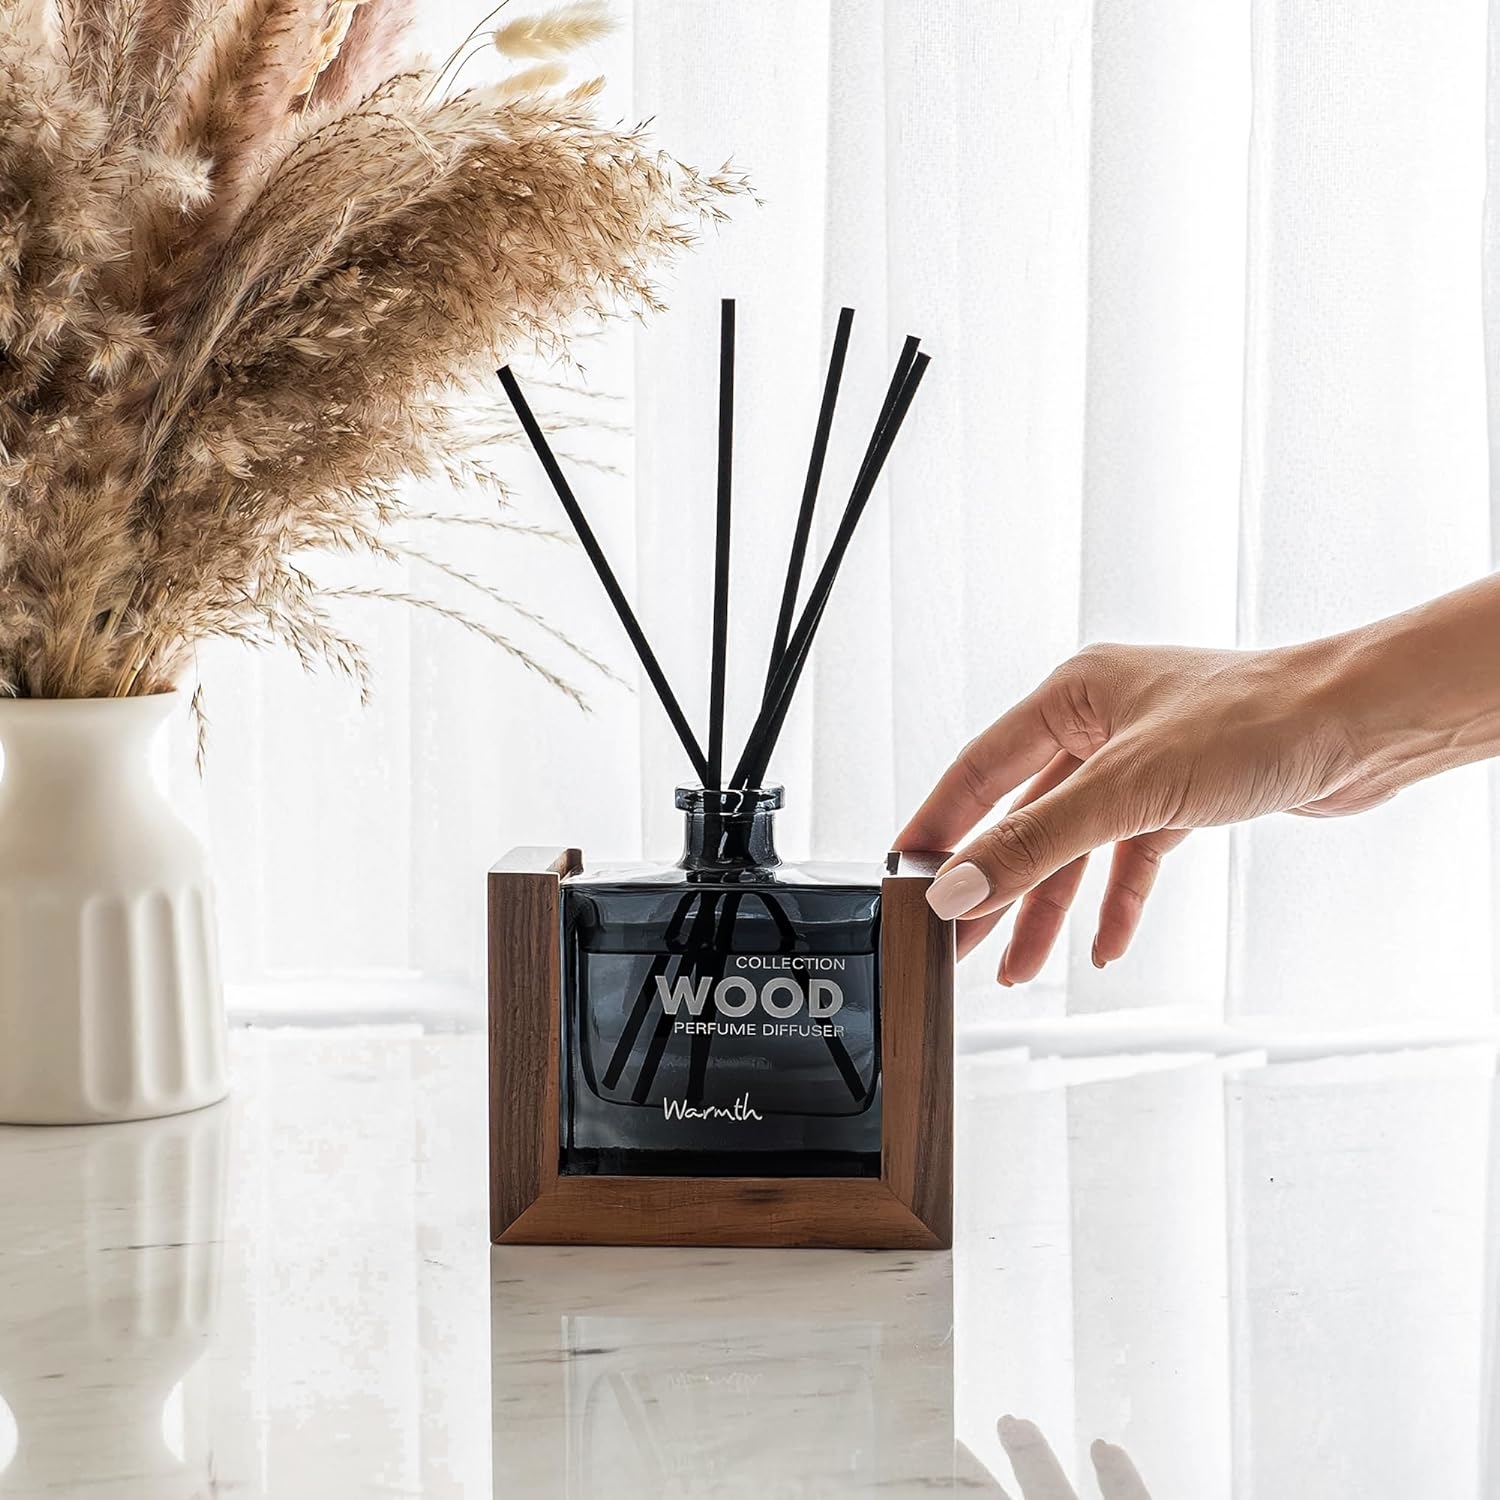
x=907, y=376
x=762, y=741
x=803, y=532
x=701, y=1046
x=904, y=362
x=606, y=573
x=715, y=776
x=899, y=376
x=646, y=996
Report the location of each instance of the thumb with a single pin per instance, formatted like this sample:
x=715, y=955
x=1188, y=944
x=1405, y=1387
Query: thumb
x=1030, y=843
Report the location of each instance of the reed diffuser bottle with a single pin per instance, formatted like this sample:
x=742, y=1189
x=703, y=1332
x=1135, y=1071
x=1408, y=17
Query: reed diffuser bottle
x=722, y=1017
x=729, y=1049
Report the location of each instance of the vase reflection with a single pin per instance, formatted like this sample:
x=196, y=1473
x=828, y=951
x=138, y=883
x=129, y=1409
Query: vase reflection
x=109, y=1287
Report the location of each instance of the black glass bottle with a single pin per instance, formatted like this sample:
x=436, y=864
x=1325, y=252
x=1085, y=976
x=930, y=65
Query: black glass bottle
x=721, y=1016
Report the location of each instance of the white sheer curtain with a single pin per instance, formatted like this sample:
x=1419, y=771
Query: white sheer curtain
x=1262, y=1277
x=1206, y=291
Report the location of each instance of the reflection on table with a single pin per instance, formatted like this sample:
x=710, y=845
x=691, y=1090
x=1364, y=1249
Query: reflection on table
x=719, y=1372
x=1178, y=1276
x=109, y=1287
x=1259, y=1280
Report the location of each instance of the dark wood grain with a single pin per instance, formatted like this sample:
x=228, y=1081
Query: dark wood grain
x=746, y=1211
x=525, y=1014
x=909, y=1207
x=916, y=956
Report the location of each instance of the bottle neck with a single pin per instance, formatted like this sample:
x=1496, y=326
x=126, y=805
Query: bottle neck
x=729, y=832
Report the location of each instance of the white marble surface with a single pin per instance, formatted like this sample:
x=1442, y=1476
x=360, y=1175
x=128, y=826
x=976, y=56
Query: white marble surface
x=1180, y=1277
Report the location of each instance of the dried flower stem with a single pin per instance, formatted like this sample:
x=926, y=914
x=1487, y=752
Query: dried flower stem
x=246, y=266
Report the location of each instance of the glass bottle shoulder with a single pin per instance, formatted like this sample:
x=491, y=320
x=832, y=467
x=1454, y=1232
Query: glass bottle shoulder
x=791, y=908
x=624, y=878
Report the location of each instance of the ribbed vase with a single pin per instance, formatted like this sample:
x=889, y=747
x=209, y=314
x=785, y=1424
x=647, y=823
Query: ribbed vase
x=110, y=1004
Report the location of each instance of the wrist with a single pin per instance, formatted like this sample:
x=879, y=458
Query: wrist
x=1419, y=692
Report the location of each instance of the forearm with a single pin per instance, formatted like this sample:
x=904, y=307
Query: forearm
x=1419, y=693
x=1136, y=745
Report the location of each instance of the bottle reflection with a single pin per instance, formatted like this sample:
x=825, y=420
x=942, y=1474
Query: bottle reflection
x=728, y=1373
x=109, y=1285
x=677, y=1422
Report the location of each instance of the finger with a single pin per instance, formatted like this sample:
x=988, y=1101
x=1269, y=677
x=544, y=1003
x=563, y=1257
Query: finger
x=1037, y=1470
x=1029, y=843
x=972, y=1474
x=1132, y=873
x=988, y=768
x=972, y=934
x=1045, y=909
x=1054, y=773
x=1118, y=1477
x=1061, y=766
x=1038, y=923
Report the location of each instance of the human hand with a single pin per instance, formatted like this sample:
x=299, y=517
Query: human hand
x=1041, y=1477
x=1135, y=746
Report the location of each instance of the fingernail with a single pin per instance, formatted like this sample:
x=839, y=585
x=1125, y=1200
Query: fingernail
x=960, y=890
x=1094, y=954
x=1004, y=975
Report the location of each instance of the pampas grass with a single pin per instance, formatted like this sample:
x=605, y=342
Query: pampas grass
x=553, y=34
x=249, y=263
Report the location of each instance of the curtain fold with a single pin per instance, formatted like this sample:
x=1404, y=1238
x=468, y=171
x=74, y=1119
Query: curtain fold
x=1210, y=307
x=1366, y=476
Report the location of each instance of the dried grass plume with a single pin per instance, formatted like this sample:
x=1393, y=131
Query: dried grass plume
x=249, y=256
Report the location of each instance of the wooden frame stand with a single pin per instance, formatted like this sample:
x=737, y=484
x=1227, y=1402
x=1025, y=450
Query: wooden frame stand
x=909, y=1206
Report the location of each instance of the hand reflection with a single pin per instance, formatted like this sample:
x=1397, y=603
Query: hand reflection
x=1041, y=1477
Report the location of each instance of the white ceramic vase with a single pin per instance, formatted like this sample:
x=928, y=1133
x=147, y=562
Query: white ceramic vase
x=110, y=1004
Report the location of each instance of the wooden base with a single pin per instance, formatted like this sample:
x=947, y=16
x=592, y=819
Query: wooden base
x=909, y=1207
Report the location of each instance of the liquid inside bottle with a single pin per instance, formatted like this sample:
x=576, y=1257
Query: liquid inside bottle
x=721, y=1016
